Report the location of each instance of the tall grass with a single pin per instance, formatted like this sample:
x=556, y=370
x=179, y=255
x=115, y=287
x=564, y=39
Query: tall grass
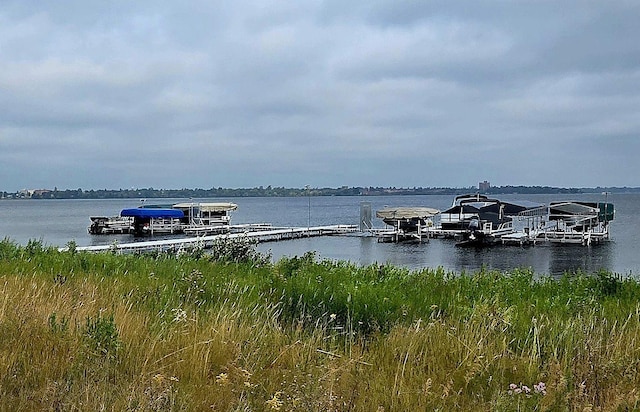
x=233, y=332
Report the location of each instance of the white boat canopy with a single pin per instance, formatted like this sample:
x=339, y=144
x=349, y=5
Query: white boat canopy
x=573, y=208
x=208, y=207
x=406, y=213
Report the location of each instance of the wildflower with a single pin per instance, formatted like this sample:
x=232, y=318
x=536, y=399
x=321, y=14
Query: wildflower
x=540, y=388
x=179, y=315
x=222, y=379
x=332, y=317
x=275, y=402
x=427, y=385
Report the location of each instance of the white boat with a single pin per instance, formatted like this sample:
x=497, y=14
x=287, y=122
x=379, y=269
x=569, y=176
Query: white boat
x=190, y=218
x=110, y=225
x=207, y=218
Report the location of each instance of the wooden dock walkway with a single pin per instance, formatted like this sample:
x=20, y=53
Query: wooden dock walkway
x=270, y=235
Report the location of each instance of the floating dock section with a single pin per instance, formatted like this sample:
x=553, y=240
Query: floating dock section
x=267, y=235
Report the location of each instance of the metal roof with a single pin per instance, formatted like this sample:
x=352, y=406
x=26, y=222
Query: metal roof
x=406, y=212
x=208, y=207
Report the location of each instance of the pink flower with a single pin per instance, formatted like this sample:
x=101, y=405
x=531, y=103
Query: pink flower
x=540, y=388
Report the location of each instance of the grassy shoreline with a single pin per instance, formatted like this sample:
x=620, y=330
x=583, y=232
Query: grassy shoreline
x=85, y=331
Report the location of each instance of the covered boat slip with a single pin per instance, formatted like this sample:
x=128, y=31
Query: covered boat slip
x=192, y=218
x=409, y=223
x=577, y=222
x=207, y=214
x=487, y=210
x=150, y=221
x=477, y=220
x=582, y=211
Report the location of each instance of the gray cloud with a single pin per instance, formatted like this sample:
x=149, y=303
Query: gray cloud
x=326, y=93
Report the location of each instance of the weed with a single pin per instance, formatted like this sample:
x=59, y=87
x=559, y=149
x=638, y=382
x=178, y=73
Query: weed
x=8, y=249
x=192, y=287
x=237, y=250
x=72, y=247
x=101, y=336
x=33, y=247
x=58, y=326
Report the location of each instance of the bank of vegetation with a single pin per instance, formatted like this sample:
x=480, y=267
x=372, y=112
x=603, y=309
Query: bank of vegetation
x=229, y=330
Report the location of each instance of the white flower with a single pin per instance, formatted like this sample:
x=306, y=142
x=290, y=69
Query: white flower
x=179, y=315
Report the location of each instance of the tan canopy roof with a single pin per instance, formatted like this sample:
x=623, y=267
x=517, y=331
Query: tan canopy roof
x=406, y=212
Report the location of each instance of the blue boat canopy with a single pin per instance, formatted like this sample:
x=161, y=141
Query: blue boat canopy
x=153, y=213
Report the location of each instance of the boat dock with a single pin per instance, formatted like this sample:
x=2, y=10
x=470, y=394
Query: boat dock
x=472, y=220
x=267, y=234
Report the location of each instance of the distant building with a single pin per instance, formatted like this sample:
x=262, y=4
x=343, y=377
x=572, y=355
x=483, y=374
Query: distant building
x=484, y=186
x=34, y=193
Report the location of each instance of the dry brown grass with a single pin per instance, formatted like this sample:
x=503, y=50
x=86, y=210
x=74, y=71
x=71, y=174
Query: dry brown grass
x=59, y=352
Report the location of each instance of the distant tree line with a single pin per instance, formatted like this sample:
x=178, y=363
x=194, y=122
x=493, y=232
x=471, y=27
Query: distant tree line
x=270, y=191
x=261, y=191
x=534, y=190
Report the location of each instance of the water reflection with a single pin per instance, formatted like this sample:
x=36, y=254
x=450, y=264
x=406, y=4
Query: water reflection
x=573, y=258
x=543, y=259
x=499, y=258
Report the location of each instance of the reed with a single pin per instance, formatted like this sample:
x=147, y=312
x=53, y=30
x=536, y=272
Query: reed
x=164, y=333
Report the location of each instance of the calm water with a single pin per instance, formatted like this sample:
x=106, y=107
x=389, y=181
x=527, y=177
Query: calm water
x=56, y=222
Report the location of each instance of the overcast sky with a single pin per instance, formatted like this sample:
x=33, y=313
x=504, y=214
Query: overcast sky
x=186, y=94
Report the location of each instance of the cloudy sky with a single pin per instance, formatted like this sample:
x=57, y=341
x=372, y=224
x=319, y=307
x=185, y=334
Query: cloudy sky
x=185, y=94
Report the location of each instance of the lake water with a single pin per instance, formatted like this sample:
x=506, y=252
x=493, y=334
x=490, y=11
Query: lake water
x=57, y=222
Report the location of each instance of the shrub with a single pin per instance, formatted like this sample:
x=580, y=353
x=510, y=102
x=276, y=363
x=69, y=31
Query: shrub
x=237, y=250
x=101, y=336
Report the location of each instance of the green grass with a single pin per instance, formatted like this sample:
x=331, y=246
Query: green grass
x=231, y=331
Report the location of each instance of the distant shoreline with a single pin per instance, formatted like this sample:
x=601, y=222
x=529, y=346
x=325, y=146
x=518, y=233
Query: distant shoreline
x=269, y=191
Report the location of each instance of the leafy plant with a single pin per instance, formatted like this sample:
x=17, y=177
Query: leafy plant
x=101, y=336
x=237, y=250
x=58, y=326
x=33, y=247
